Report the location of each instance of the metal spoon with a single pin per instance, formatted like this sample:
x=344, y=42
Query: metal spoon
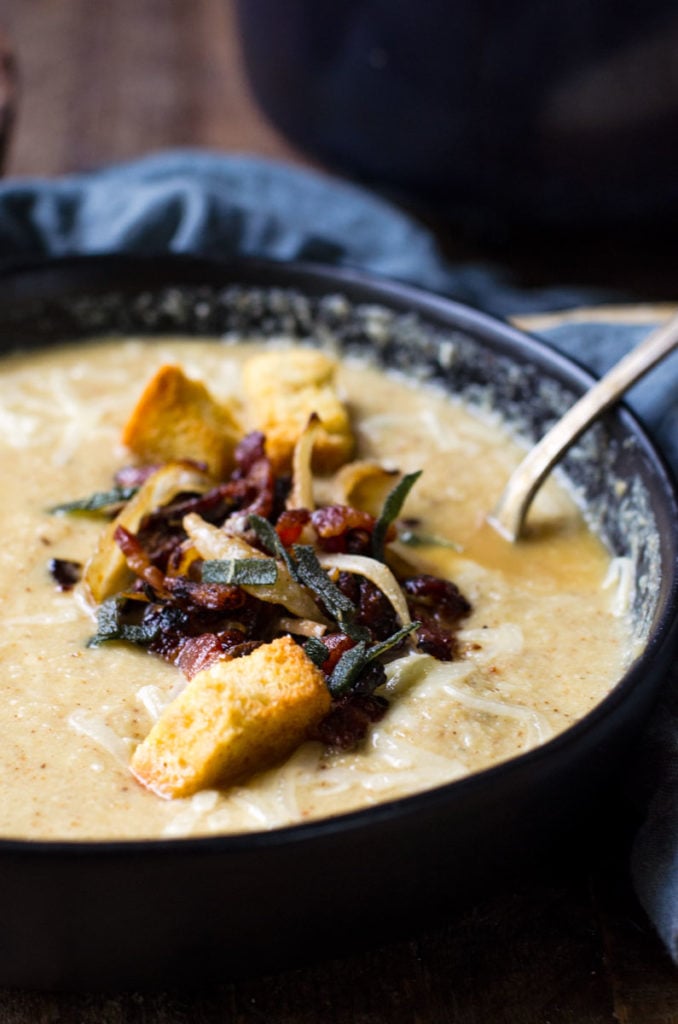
x=509, y=513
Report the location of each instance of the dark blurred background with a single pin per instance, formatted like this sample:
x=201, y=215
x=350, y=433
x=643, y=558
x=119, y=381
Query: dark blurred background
x=538, y=133
x=533, y=130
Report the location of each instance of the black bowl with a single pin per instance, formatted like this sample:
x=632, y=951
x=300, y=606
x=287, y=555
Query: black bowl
x=125, y=914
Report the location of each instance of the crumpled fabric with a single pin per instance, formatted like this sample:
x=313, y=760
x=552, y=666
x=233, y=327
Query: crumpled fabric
x=217, y=206
x=221, y=206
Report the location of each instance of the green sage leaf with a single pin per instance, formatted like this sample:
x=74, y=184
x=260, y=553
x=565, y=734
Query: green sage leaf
x=112, y=625
x=271, y=541
x=390, y=512
x=348, y=669
x=242, y=572
x=415, y=539
x=310, y=572
x=316, y=651
x=100, y=501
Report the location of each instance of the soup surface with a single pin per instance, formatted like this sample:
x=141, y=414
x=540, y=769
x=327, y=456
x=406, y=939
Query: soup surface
x=543, y=644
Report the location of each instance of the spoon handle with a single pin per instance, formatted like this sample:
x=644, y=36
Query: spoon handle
x=509, y=513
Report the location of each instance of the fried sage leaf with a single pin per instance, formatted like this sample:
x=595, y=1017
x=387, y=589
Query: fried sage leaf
x=112, y=625
x=352, y=662
x=130, y=617
x=309, y=572
x=390, y=512
x=100, y=501
x=317, y=651
x=415, y=539
x=271, y=541
x=244, y=572
x=347, y=669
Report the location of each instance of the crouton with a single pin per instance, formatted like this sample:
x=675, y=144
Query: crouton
x=177, y=418
x=234, y=718
x=283, y=390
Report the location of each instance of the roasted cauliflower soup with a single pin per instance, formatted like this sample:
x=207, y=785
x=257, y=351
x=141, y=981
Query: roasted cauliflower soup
x=458, y=653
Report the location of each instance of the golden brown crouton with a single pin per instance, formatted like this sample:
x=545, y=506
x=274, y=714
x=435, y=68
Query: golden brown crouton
x=177, y=418
x=236, y=717
x=283, y=390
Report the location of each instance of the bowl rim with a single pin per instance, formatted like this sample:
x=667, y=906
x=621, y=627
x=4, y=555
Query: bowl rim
x=87, y=274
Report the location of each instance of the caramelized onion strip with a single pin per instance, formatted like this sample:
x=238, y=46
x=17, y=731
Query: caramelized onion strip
x=376, y=572
x=301, y=494
x=362, y=475
x=107, y=572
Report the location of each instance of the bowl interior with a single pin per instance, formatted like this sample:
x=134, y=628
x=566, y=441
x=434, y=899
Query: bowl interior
x=221, y=888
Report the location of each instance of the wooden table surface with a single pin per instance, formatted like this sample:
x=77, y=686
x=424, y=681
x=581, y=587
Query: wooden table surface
x=101, y=82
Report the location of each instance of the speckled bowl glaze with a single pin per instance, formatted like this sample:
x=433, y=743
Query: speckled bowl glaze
x=94, y=915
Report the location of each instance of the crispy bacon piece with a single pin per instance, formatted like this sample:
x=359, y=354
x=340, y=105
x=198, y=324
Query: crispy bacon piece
x=290, y=525
x=160, y=543
x=439, y=605
x=254, y=476
x=174, y=626
x=137, y=558
x=199, y=652
x=336, y=523
x=336, y=520
x=434, y=640
x=213, y=505
x=251, y=488
x=248, y=451
x=216, y=504
x=341, y=528
x=336, y=644
x=214, y=597
x=375, y=611
x=425, y=591
x=260, y=494
x=194, y=653
x=64, y=572
x=349, y=719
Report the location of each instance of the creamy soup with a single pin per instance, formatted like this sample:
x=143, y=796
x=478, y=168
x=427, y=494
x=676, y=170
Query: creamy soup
x=545, y=641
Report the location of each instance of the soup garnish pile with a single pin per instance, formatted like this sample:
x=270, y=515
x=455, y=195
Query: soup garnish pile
x=256, y=590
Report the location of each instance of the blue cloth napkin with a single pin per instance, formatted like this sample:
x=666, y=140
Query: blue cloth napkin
x=219, y=206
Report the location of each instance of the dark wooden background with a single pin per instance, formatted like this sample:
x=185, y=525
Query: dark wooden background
x=107, y=81
x=102, y=82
